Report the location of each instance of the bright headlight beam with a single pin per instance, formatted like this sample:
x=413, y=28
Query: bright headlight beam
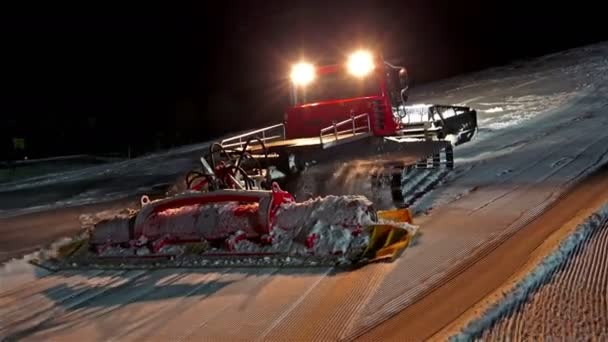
x=302, y=73
x=360, y=63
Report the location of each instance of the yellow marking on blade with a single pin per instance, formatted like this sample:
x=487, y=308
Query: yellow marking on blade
x=387, y=241
x=396, y=215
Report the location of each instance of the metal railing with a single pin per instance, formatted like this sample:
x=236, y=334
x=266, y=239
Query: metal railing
x=353, y=130
x=262, y=133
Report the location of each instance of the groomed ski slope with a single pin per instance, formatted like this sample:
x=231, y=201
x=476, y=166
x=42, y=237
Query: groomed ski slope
x=547, y=119
x=563, y=298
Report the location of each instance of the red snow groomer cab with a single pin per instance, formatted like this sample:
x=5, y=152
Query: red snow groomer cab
x=353, y=110
x=322, y=96
x=374, y=89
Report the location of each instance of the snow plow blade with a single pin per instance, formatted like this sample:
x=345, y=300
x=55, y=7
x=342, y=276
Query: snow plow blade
x=387, y=241
x=239, y=228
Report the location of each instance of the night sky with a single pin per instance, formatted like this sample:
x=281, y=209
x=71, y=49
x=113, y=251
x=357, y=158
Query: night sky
x=96, y=79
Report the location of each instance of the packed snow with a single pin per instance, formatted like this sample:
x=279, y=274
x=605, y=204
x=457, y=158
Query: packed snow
x=494, y=110
x=525, y=288
x=546, y=146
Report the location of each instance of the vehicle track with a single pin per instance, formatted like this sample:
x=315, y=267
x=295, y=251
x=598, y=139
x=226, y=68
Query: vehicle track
x=570, y=303
x=437, y=284
x=38, y=312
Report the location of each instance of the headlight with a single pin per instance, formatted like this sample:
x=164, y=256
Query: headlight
x=302, y=73
x=360, y=63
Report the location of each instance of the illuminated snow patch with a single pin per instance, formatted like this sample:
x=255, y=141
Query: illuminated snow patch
x=494, y=110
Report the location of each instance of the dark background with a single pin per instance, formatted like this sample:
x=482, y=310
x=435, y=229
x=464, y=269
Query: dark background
x=97, y=78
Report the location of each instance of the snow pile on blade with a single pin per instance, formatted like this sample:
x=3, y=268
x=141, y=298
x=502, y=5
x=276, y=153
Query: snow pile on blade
x=231, y=227
x=322, y=226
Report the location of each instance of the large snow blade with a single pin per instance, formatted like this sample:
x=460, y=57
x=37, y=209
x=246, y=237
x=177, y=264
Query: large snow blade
x=241, y=227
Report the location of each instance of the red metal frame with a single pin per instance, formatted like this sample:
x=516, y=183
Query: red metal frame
x=276, y=198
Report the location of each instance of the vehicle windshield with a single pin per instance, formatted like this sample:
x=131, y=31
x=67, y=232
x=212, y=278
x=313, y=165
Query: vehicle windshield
x=336, y=86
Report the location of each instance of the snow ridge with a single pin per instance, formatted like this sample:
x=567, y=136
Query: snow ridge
x=541, y=273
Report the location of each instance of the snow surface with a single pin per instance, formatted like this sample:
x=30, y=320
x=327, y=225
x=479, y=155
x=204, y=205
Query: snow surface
x=98, y=183
x=529, y=283
x=494, y=110
x=17, y=272
x=554, y=310
x=550, y=133
x=506, y=176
